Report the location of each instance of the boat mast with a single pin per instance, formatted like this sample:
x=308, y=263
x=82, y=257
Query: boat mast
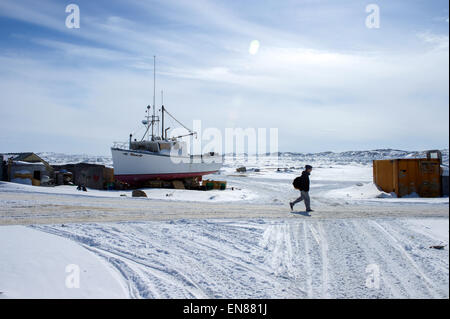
x=155, y=118
x=148, y=122
x=162, y=115
x=154, y=92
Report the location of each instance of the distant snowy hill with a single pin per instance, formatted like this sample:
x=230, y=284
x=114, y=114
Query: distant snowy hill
x=343, y=158
x=61, y=158
x=362, y=157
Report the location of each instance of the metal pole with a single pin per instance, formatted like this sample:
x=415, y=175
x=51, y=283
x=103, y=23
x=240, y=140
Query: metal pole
x=154, y=92
x=162, y=122
x=162, y=115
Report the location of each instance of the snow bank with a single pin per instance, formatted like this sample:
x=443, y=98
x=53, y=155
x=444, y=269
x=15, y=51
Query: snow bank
x=359, y=191
x=370, y=192
x=33, y=265
x=227, y=195
x=437, y=229
x=22, y=181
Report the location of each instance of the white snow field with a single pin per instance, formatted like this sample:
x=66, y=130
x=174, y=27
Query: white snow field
x=266, y=258
x=34, y=264
x=239, y=243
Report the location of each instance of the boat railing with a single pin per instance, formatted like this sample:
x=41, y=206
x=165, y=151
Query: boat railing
x=208, y=157
x=123, y=145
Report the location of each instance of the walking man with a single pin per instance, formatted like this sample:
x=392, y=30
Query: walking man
x=302, y=184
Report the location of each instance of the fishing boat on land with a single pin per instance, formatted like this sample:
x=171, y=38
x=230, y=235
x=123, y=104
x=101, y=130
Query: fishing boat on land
x=155, y=156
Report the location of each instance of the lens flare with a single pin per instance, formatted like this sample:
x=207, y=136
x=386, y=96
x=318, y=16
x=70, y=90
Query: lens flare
x=254, y=47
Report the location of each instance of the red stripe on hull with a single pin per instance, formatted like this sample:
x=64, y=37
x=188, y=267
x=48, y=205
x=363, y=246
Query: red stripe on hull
x=138, y=178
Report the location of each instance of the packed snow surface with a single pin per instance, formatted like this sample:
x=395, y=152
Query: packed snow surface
x=34, y=264
x=259, y=258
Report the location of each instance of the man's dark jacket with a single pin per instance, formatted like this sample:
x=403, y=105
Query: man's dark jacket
x=304, y=182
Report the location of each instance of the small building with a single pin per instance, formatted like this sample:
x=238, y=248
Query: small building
x=2, y=167
x=27, y=168
x=444, y=179
x=63, y=177
x=90, y=175
x=421, y=176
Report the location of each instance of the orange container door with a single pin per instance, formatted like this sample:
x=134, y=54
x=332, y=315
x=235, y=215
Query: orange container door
x=429, y=184
x=383, y=175
x=407, y=177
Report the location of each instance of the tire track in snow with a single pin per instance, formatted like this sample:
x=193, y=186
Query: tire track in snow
x=370, y=253
x=231, y=262
x=309, y=288
x=418, y=244
x=260, y=259
x=323, y=259
x=138, y=288
x=115, y=261
x=316, y=260
x=203, y=243
x=314, y=233
x=428, y=283
x=167, y=275
x=123, y=270
x=200, y=245
x=393, y=265
x=345, y=262
x=186, y=259
x=278, y=243
x=381, y=255
x=291, y=238
x=324, y=254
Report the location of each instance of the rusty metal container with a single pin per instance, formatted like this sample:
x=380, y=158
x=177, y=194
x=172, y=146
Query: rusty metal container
x=407, y=176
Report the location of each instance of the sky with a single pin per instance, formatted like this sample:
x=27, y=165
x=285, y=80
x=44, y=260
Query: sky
x=311, y=69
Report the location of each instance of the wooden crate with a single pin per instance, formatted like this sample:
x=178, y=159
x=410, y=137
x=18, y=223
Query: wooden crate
x=178, y=184
x=210, y=184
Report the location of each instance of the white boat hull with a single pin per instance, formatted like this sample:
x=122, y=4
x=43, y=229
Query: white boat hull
x=134, y=167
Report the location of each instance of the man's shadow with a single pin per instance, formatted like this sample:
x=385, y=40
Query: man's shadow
x=304, y=213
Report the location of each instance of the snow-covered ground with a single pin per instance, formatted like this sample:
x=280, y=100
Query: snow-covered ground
x=34, y=264
x=344, y=184
x=344, y=178
x=258, y=258
x=152, y=193
x=239, y=243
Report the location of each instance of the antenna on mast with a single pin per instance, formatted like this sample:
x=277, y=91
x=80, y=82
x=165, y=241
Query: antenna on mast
x=154, y=92
x=154, y=82
x=162, y=116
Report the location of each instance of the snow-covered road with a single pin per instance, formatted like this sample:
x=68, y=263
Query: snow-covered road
x=273, y=258
x=36, y=208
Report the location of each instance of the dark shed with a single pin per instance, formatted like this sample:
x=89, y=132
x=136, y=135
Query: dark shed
x=90, y=175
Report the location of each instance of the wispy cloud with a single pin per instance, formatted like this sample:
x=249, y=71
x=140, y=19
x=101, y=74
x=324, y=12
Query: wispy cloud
x=319, y=75
x=439, y=41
